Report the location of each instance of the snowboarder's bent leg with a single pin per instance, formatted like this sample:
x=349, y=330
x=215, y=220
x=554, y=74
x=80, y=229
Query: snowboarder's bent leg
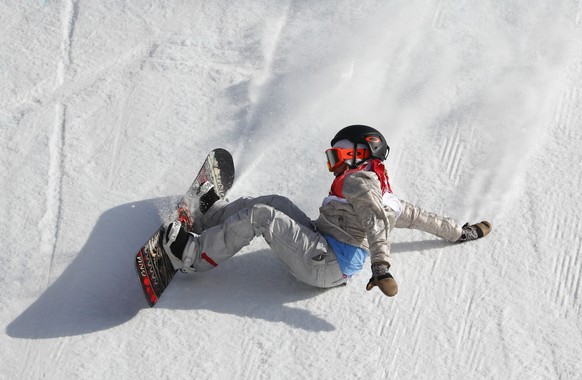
x=304, y=252
x=222, y=210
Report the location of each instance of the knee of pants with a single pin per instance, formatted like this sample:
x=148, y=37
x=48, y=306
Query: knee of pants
x=261, y=218
x=281, y=203
x=278, y=202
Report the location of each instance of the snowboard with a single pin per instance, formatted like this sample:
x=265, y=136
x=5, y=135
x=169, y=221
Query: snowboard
x=154, y=268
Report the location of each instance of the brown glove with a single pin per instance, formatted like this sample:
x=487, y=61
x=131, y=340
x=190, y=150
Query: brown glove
x=383, y=279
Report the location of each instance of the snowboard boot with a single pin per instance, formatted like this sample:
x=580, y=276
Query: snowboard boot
x=208, y=197
x=181, y=246
x=474, y=231
x=383, y=279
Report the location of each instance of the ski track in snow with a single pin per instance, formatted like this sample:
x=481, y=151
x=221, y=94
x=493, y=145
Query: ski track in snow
x=439, y=15
x=57, y=147
x=118, y=129
x=52, y=219
x=55, y=184
x=564, y=223
x=452, y=154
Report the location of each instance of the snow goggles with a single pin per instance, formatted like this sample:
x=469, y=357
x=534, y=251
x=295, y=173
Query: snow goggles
x=337, y=156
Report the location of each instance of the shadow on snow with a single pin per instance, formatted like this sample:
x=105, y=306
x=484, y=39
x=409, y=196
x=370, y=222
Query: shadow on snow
x=100, y=289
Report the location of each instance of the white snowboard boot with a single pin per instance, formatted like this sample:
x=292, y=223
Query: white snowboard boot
x=181, y=246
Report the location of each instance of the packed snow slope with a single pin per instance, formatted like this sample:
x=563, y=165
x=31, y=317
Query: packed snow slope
x=107, y=109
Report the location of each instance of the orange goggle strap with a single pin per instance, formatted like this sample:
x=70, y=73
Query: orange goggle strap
x=337, y=156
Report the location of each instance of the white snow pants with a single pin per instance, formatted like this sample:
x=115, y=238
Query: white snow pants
x=228, y=227
x=414, y=217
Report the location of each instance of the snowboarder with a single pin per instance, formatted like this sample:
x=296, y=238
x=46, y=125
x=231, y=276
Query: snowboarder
x=356, y=219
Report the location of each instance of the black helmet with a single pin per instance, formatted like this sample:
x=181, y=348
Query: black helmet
x=362, y=134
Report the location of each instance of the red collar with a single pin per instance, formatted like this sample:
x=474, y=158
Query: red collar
x=373, y=165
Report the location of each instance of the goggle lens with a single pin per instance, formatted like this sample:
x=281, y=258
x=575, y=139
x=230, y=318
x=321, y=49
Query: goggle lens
x=337, y=156
x=333, y=159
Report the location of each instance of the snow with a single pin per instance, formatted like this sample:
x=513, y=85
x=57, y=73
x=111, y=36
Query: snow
x=108, y=108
